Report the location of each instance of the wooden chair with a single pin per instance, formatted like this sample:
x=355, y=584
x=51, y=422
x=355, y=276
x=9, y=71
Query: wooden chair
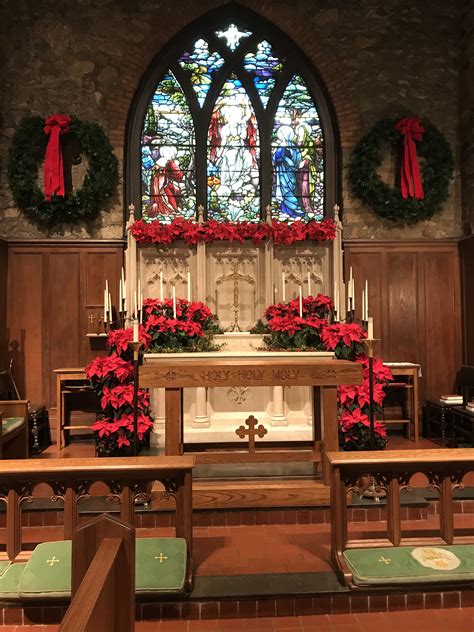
x=438, y=416
x=14, y=416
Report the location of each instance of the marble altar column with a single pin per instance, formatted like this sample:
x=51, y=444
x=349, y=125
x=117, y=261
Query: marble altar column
x=278, y=417
x=201, y=419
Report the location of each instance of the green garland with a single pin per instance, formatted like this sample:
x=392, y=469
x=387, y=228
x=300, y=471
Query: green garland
x=27, y=151
x=388, y=202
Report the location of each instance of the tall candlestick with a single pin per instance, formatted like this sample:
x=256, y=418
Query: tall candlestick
x=161, y=286
x=370, y=328
x=189, y=287
x=135, y=331
x=309, y=284
x=283, y=289
x=301, y=302
x=174, y=301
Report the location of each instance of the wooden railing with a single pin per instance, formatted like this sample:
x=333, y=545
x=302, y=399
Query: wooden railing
x=103, y=582
x=70, y=480
x=391, y=471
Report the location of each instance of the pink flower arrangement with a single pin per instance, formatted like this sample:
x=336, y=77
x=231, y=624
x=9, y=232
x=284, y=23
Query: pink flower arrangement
x=257, y=232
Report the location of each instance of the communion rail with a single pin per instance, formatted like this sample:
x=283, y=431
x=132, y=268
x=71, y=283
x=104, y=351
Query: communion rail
x=391, y=471
x=70, y=480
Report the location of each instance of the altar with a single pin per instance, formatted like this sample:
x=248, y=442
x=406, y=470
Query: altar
x=175, y=373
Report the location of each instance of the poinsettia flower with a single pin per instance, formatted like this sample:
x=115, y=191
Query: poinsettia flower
x=122, y=439
x=354, y=417
x=381, y=372
x=347, y=393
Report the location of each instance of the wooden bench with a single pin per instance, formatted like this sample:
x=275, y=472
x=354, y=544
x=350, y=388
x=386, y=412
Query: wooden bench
x=391, y=471
x=14, y=429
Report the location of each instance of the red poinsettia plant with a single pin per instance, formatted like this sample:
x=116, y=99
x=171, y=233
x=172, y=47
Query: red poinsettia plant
x=193, y=232
x=191, y=327
x=112, y=379
x=286, y=329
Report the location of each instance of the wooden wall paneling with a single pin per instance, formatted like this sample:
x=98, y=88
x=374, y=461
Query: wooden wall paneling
x=370, y=266
x=97, y=266
x=419, y=293
x=442, y=321
x=3, y=303
x=466, y=250
x=63, y=321
x=402, y=324
x=25, y=321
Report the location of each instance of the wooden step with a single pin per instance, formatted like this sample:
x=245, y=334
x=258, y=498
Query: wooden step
x=250, y=493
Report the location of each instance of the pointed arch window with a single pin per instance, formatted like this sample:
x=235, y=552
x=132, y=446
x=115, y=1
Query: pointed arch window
x=233, y=118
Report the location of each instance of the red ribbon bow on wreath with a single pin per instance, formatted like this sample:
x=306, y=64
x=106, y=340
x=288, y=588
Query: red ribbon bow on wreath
x=55, y=125
x=411, y=185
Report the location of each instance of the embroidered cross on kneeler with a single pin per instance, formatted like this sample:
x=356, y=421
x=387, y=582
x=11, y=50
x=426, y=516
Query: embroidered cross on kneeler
x=384, y=560
x=54, y=560
x=161, y=557
x=251, y=432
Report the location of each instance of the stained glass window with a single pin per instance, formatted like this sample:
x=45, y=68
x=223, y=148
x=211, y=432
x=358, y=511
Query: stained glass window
x=297, y=156
x=168, y=147
x=233, y=124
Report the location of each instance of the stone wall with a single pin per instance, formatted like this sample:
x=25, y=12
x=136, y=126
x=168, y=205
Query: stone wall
x=377, y=57
x=466, y=110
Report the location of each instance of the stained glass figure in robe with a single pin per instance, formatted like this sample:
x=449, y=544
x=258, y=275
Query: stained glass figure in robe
x=232, y=36
x=167, y=155
x=263, y=65
x=233, y=156
x=297, y=154
x=202, y=65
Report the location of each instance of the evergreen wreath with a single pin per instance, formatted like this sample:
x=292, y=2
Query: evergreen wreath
x=388, y=202
x=26, y=153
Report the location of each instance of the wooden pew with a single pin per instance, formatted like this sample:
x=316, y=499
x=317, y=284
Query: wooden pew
x=14, y=442
x=71, y=479
x=392, y=471
x=103, y=581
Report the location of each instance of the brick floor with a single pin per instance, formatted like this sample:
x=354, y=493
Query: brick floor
x=455, y=620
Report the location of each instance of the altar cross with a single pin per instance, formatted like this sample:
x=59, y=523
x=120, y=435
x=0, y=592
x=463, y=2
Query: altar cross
x=252, y=432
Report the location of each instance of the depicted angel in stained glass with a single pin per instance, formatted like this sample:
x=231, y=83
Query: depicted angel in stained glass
x=164, y=190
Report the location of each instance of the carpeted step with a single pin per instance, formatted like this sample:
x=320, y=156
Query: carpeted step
x=410, y=565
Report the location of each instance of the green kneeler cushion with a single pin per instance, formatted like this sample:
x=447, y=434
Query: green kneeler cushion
x=48, y=571
x=4, y=564
x=409, y=564
x=10, y=580
x=9, y=424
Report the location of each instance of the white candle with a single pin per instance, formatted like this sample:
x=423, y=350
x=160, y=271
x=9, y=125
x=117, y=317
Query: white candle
x=161, y=286
x=370, y=328
x=301, y=302
x=135, y=331
x=353, y=296
x=350, y=273
x=363, y=305
x=105, y=306
x=135, y=310
x=366, y=299
x=283, y=290
x=309, y=284
x=189, y=287
x=109, y=304
x=174, y=301
x=121, y=296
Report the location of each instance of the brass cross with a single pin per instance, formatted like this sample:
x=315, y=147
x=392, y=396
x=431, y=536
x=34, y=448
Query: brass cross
x=385, y=560
x=252, y=432
x=161, y=557
x=52, y=561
